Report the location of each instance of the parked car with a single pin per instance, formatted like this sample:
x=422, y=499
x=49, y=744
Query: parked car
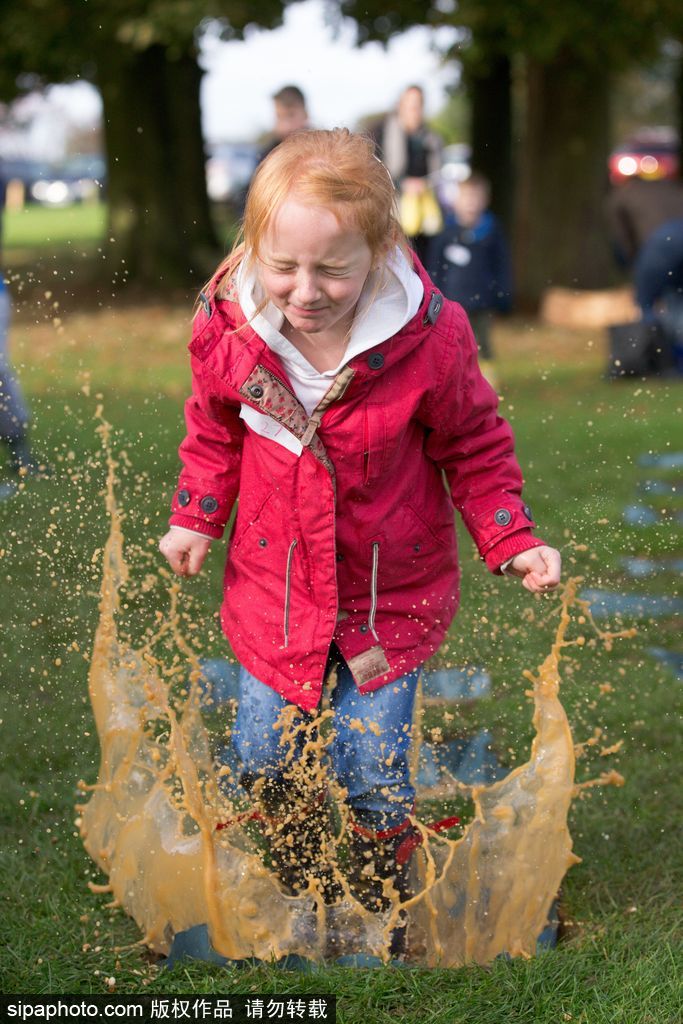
x=22, y=169
x=650, y=153
x=76, y=180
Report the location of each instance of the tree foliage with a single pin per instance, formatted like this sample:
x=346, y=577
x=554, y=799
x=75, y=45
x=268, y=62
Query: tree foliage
x=598, y=33
x=142, y=54
x=58, y=40
x=549, y=148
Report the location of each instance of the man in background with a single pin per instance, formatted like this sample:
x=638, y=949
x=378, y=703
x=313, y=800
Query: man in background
x=291, y=115
x=637, y=208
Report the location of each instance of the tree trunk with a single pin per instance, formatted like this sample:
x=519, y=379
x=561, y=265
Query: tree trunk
x=560, y=233
x=490, y=91
x=160, y=231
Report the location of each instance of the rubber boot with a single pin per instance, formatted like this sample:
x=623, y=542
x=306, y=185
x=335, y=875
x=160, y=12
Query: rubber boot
x=300, y=836
x=373, y=862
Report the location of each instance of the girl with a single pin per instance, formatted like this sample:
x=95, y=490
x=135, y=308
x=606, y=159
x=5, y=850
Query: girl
x=333, y=388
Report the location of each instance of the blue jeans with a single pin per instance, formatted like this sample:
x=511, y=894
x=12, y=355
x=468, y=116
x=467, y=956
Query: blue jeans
x=13, y=412
x=369, y=752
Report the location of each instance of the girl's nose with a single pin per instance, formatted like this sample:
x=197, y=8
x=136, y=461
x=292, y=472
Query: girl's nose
x=307, y=289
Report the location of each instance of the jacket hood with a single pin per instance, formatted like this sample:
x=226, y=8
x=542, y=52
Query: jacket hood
x=396, y=346
x=390, y=299
x=372, y=358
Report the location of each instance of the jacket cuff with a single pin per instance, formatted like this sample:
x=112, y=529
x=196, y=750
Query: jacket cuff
x=200, y=506
x=508, y=547
x=197, y=525
x=186, y=529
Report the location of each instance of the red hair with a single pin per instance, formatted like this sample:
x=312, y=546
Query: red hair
x=337, y=170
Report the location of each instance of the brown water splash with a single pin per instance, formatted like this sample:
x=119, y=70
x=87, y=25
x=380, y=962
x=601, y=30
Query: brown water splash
x=150, y=822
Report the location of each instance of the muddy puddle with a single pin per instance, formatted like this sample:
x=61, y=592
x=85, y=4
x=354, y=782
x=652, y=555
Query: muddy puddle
x=165, y=823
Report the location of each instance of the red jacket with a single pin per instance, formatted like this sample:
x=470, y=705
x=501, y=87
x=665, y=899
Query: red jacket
x=353, y=540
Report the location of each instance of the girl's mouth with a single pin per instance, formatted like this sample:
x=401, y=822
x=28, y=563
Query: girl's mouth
x=304, y=311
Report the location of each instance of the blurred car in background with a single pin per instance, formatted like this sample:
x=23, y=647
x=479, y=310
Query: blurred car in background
x=650, y=153
x=77, y=180
x=229, y=168
x=22, y=172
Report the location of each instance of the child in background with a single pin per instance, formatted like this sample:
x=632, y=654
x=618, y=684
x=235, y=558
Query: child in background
x=332, y=385
x=470, y=263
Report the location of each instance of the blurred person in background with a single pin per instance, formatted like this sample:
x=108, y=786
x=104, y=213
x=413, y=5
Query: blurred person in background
x=14, y=414
x=658, y=280
x=412, y=154
x=638, y=207
x=291, y=115
x=470, y=262
x=645, y=220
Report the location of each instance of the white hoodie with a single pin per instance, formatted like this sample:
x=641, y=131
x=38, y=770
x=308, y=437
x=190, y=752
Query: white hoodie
x=391, y=296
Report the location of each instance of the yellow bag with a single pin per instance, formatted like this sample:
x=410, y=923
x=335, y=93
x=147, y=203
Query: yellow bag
x=420, y=213
x=432, y=218
x=410, y=213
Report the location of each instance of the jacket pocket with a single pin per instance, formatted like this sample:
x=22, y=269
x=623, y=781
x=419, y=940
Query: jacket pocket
x=267, y=567
x=442, y=536
x=247, y=523
x=409, y=548
x=374, y=442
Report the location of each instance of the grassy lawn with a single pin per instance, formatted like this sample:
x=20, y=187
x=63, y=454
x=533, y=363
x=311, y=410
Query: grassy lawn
x=63, y=250
x=44, y=226
x=579, y=438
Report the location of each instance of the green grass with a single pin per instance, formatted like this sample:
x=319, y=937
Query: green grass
x=578, y=438
x=68, y=241
x=77, y=225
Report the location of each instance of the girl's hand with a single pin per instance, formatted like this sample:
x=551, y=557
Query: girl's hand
x=185, y=552
x=538, y=568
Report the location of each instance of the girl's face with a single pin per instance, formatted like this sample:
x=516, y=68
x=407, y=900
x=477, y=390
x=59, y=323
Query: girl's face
x=313, y=268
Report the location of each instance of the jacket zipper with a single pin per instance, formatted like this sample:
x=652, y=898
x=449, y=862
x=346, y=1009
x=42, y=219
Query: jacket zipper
x=325, y=402
x=288, y=586
x=278, y=379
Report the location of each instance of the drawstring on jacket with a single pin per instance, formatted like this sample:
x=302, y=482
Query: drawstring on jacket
x=373, y=589
x=288, y=587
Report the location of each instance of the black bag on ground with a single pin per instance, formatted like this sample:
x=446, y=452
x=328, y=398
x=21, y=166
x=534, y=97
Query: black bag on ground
x=638, y=349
